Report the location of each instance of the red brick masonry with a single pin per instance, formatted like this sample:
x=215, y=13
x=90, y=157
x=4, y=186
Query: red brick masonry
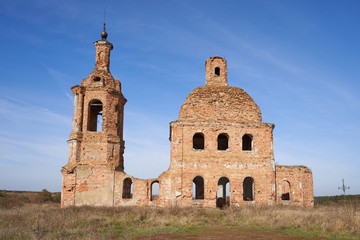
x=221, y=151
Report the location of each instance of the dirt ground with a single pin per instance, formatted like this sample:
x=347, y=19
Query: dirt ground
x=227, y=233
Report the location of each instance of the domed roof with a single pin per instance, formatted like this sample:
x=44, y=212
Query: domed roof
x=220, y=103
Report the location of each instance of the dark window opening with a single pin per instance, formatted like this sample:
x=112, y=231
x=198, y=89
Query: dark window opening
x=97, y=79
x=154, y=191
x=223, y=141
x=95, y=116
x=223, y=193
x=127, y=188
x=217, y=72
x=248, y=189
x=247, y=142
x=198, y=188
x=198, y=141
x=285, y=188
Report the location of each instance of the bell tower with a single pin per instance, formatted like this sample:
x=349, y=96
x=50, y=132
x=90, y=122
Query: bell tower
x=216, y=71
x=96, y=144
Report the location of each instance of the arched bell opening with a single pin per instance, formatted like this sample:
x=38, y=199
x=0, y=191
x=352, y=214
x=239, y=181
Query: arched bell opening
x=95, y=118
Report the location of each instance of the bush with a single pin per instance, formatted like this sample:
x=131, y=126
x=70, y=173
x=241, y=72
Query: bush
x=56, y=197
x=44, y=196
x=9, y=202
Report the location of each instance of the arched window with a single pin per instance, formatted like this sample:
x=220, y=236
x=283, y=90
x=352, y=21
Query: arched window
x=285, y=190
x=223, y=193
x=247, y=142
x=198, y=188
x=217, y=72
x=127, y=188
x=248, y=189
x=95, y=116
x=198, y=141
x=223, y=141
x=154, y=190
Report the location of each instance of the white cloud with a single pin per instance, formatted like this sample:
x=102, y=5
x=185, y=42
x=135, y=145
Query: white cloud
x=15, y=110
x=32, y=141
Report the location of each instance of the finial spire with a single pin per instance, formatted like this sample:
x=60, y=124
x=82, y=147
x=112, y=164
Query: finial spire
x=104, y=34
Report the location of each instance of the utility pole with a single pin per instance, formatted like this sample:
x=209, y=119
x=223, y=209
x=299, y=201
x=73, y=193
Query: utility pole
x=343, y=188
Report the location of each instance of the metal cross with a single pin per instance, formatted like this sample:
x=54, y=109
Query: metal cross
x=343, y=187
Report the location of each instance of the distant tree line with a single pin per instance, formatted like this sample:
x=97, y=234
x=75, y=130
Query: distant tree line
x=329, y=200
x=10, y=199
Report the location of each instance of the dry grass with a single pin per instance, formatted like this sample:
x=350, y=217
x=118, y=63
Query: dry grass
x=49, y=221
x=15, y=199
x=328, y=221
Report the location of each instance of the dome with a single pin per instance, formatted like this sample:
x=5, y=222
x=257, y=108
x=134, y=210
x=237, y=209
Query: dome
x=220, y=103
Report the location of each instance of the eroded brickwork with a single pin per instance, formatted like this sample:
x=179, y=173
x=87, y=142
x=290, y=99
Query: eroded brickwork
x=221, y=151
x=300, y=181
x=96, y=143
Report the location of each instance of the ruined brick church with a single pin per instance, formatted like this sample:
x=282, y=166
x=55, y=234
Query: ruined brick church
x=221, y=152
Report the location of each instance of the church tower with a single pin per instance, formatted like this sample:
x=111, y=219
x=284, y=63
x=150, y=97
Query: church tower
x=96, y=144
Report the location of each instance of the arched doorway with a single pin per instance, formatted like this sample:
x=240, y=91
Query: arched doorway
x=154, y=191
x=127, y=188
x=285, y=190
x=198, y=188
x=248, y=189
x=223, y=193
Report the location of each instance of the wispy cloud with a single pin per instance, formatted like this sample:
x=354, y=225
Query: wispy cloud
x=240, y=44
x=36, y=151
x=16, y=110
x=63, y=80
x=147, y=145
x=32, y=141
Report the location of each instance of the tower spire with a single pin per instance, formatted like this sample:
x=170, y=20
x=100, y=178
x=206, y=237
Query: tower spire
x=104, y=33
x=103, y=48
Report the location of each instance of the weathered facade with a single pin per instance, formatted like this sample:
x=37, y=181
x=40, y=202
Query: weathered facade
x=221, y=151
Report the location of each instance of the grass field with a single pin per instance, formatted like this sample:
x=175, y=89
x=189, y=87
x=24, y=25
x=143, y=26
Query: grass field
x=28, y=220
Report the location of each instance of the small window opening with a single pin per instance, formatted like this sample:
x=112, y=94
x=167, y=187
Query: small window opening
x=95, y=116
x=154, y=191
x=217, y=71
x=285, y=188
x=223, y=193
x=198, y=141
x=198, y=188
x=248, y=189
x=223, y=141
x=127, y=188
x=97, y=79
x=247, y=142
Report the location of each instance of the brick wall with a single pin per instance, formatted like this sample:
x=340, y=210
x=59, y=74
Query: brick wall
x=233, y=154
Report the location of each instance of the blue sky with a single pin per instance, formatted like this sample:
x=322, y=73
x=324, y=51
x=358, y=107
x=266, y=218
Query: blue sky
x=299, y=60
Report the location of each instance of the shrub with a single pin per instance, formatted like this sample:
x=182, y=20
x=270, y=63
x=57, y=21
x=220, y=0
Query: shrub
x=10, y=202
x=56, y=197
x=44, y=196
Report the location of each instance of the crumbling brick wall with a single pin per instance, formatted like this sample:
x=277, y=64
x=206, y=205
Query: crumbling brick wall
x=221, y=151
x=301, y=185
x=94, y=154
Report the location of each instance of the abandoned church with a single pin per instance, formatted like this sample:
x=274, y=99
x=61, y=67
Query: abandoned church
x=221, y=152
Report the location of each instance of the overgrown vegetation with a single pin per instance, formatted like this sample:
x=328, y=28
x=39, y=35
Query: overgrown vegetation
x=48, y=221
x=10, y=199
